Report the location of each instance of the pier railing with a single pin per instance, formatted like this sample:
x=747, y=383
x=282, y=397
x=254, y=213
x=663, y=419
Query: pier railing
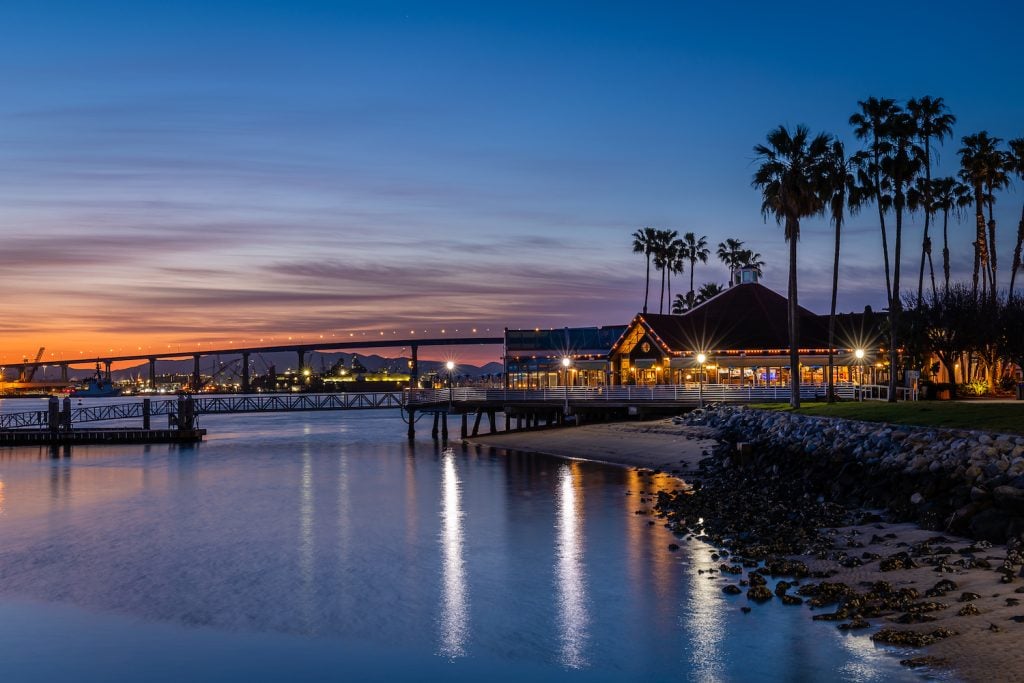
x=270, y=403
x=684, y=394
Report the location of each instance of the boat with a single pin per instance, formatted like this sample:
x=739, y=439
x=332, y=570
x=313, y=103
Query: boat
x=96, y=387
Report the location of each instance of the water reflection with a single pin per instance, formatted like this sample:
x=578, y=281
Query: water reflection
x=454, y=607
x=306, y=538
x=571, y=579
x=1, y=496
x=704, y=618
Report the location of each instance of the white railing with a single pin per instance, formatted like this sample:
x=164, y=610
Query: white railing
x=661, y=393
x=880, y=392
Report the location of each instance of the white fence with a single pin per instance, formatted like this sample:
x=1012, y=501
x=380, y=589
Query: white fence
x=689, y=394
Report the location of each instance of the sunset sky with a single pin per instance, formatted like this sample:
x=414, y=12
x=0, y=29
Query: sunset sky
x=181, y=172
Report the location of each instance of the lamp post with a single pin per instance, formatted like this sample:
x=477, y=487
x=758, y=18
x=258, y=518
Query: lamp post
x=450, y=365
x=566, y=362
x=859, y=355
x=701, y=358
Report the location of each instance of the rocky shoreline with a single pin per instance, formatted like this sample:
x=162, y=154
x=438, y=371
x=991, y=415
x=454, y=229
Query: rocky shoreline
x=918, y=530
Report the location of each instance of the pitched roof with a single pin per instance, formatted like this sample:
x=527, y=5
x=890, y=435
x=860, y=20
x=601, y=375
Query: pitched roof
x=745, y=316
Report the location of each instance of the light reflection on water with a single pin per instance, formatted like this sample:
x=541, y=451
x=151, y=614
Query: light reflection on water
x=454, y=602
x=571, y=585
x=291, y=545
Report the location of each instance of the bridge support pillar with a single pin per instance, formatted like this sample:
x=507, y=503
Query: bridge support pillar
x=146, y=412
x=433, y=432
x=106, y=370
x=302, y=360
x=476, y=422
x=63, y=372
x=490, y=421
x=412, y=424
x=246, y=384
x=414, y=368
x=152, y=374
x=196, y=377
x=465, y=425
x=444, y=427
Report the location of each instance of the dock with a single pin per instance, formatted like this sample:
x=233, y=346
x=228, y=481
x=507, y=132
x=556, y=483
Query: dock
x=126, y=435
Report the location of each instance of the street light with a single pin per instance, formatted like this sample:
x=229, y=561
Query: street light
x=566, y=362
x=701, y=358
x=451, y=385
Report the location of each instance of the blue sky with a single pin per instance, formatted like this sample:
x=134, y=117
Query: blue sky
x=175, y=173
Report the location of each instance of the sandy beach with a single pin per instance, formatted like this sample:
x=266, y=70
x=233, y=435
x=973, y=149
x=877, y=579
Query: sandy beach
x=982, y=607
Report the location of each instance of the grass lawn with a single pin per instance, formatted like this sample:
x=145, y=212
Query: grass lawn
x=1006, y=418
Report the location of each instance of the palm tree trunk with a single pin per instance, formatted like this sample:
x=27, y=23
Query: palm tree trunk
x=830, y=392
x=895, y=304
x=794, y=322
x=992, y=245
x=661, y=304
x=945, y=246
x=924, y=253
x=669, y=279
x=1016, y=252
x=647, y=288
x=980, y=251
x=693, y=262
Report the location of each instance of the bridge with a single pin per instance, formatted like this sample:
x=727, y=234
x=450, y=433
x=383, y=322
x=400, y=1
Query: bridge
x=245, y=352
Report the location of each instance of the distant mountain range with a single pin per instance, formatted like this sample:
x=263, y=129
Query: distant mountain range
x=318, y=362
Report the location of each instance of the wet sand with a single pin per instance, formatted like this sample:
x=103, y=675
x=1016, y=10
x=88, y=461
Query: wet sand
x=988, y=647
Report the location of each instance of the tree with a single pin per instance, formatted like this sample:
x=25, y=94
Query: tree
x=664, y=258
x=948, y=195
x=644, y=242
x=837, y=186
x=933, y=121
x=1011, y=331
x=730, y=252
x=675, y=261
x=789, y=177
x=888, y=169
x=945, y=322
x=750, y=259
x=983, y=167
x=707, y=291
x=1015, y=164
x=682, y=303
x=695, y=249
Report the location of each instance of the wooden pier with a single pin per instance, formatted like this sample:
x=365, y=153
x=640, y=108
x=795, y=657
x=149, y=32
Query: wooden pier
x=25, y=437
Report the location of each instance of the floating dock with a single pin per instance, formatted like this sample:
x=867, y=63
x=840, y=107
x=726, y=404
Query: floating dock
x=33, y=437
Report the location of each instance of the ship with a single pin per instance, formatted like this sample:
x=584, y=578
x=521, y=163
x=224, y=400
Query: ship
x=96, y=387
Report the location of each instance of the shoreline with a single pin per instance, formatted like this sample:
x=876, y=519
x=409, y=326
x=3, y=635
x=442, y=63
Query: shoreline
x=981, y=608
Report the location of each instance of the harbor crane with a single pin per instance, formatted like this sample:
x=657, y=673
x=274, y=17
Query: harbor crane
x=27, y=373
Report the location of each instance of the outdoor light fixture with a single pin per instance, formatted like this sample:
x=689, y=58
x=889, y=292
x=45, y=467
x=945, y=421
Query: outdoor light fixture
x=859, y=354
x=701, y=358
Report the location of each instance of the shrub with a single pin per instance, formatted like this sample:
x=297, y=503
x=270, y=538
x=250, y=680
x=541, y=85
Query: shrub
x=977, y=387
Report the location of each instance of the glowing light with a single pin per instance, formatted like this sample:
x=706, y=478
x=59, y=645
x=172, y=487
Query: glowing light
x=701, y=358
x=566, y=362
x=450, y=365
x=859, y=354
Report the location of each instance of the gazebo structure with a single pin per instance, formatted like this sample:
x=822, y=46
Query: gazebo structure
x=742, y=334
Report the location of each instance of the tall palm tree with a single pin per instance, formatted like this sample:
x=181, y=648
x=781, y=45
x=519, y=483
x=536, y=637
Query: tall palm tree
x=871, y=124
x=983, y=167
x=695, y=249
x=663, y=258
x=948, y=195
x=933, y=121
x=789, y=177
x=729, y=252
x=837, y=188
x=644, y=241
x=675, y=261
x=1015, y=163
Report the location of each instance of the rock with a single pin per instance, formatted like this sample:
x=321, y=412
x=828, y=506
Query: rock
x=893, y=636
x=916, y=499
x=967, y=596
x=731, y=589
x=759, y=593
x=968, y=610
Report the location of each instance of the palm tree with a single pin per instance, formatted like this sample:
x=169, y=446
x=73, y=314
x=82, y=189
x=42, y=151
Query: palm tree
x=643, y=243
x=947, y=195
x=871, y=124
x=675, y=261
x=707, y=291
x=695, y=249
x=789, y=178
x=983, y=167
x=1015, y=163
x=837, y=187
x=682, y=303
x=729, y=252
x=932, y=120
x=748, y=258
x=663, y=258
